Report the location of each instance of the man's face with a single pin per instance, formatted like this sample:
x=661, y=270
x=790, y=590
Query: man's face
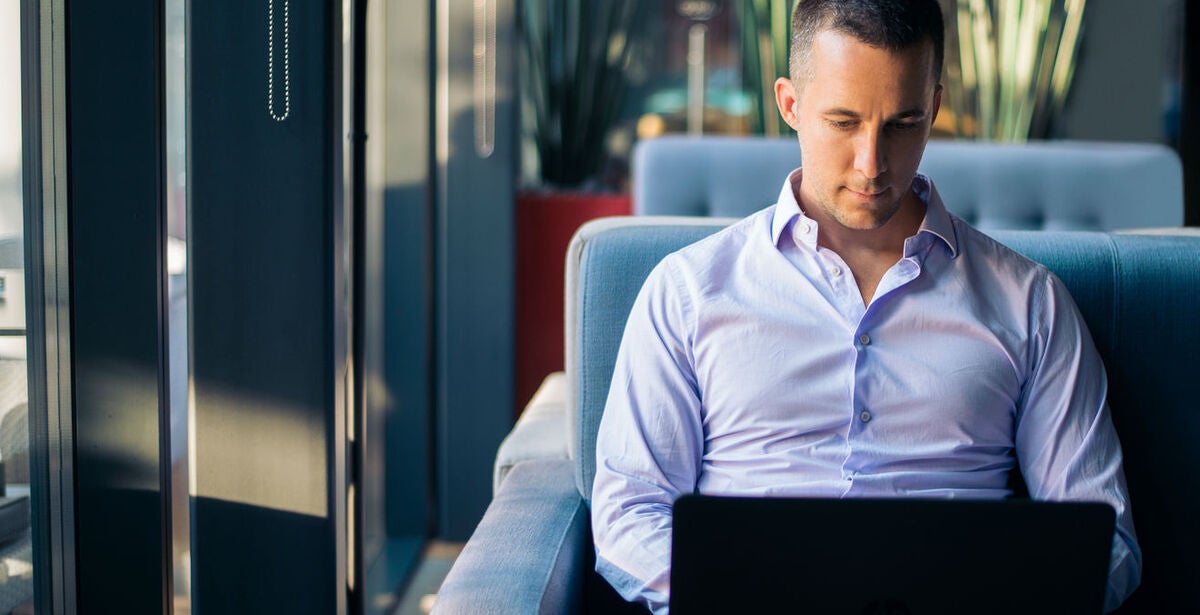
x=862, y=117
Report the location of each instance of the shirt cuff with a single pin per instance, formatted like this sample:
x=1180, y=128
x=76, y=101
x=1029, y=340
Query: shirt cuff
x=631, y=588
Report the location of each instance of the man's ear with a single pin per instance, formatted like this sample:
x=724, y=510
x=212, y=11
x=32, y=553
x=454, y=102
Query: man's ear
x=937, y=103
x=787, y=98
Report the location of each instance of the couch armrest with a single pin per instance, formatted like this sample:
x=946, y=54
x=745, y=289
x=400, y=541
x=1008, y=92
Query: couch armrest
x=540, y=433
x=528, y=553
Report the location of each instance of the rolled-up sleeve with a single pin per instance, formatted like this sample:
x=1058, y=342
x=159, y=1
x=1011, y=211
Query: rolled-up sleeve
x=650, y=443
x=1066, y=443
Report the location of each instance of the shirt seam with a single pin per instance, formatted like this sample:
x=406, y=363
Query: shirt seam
x=686, y=307
x=1040, y=331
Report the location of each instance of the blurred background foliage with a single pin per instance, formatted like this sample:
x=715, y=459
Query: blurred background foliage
x=575, y=58
x=1009, y=64
x=599, y=75
x=1013, y=68
x=766, y=41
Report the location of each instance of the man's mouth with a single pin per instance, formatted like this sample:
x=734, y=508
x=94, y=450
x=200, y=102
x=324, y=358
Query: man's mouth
x=868, y=194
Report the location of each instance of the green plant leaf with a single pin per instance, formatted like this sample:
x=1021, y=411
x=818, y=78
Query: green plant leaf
x=574, y=62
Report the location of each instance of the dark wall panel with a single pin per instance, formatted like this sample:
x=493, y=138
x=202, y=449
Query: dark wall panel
x=264, y=261
x=115, y=128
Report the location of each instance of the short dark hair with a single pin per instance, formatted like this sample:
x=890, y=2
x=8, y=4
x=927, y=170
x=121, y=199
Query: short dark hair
x=893, y=25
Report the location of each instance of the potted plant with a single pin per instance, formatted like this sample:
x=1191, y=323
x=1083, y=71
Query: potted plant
x=1013, y=68
x=574, y=59
x=574, y=56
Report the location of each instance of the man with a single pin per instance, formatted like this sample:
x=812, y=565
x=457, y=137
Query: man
x=855, y=339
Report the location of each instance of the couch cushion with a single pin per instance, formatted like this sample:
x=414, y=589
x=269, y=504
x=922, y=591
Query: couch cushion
x=540, y=433
x=1155, y=397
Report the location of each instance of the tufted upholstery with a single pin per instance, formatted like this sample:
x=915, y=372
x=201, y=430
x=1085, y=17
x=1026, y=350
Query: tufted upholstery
x=1137, y=294
x=1053, y=185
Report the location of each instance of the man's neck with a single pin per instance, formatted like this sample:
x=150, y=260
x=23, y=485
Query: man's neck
x=870, y=253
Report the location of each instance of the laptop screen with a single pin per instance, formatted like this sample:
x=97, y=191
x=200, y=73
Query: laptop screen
x=888, y=556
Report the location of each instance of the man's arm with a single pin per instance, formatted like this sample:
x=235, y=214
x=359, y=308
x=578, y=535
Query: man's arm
x=649, y=445
x=1066, y=444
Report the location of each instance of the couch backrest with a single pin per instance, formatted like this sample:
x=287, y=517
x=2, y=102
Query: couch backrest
x=607, y=261
x=1052, y=185
x=1137, y=294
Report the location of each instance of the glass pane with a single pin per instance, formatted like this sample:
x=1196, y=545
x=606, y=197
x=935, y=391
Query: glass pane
x=177, y=325
x=391, y=434
x=16, y=552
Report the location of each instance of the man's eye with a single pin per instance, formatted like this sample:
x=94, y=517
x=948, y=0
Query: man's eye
x=901, y=126
x=842, y=124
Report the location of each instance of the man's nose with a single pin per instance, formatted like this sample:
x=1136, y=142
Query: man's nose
x=869, y=158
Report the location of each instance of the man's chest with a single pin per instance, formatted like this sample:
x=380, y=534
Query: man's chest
x=924, y=368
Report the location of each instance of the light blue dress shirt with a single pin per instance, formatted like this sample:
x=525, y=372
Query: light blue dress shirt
x=750, y=366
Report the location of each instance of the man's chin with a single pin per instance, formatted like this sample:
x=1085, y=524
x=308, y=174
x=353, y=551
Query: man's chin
x=862, y=217
x=862, y=225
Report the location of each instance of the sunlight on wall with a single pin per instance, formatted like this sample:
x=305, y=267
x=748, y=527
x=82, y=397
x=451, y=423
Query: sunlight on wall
x=285, y=468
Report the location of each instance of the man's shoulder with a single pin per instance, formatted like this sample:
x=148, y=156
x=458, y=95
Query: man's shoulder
x=711, y=255
x=988, y=254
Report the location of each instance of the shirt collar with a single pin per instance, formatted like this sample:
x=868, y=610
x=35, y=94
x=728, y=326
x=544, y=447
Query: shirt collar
x=787, y=210
x=937, y=222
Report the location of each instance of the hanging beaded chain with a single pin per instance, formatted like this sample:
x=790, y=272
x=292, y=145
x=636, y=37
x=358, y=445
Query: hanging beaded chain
x=287, y=75
x=485, y=77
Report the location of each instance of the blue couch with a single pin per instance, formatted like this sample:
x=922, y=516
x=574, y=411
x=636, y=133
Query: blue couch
x=532, y=552
x=1050, y=185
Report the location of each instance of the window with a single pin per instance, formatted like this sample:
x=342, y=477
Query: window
x=16, y=549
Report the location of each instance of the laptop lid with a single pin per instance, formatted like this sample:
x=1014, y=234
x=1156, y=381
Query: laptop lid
x=888, y=556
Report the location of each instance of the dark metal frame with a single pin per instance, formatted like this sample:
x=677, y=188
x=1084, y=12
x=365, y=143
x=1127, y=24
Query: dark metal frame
x=47, y=302
x=117, y=227
x=356, y=201
x=95, y=271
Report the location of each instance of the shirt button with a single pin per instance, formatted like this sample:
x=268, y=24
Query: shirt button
x=865, y=416
x=864, y=339
x=805, y=227
x=835, y=271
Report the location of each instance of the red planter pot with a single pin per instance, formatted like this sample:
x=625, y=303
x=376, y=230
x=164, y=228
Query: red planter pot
x=546, y=221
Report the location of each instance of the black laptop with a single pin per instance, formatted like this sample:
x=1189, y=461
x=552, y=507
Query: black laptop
x=888, y=556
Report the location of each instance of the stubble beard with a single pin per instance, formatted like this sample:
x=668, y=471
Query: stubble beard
x=862, y=216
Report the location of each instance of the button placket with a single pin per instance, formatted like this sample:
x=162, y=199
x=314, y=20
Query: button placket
x=839, y=277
